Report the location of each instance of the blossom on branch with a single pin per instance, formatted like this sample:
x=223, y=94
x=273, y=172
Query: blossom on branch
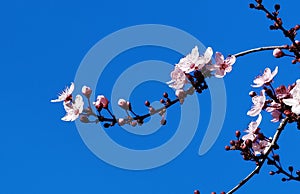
x=178, y=79
x=252, y=129
x=73, y=109
x=294, y=102
x=258, y=104
x=194, y=61
x=66, y=95
x=101, y=102
x=266, y=78
x=222, y=65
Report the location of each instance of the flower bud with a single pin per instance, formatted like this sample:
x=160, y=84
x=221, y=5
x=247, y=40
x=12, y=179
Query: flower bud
x=237, y=134
x=86, y=91
x=101, y=101
x=133, y=123
x=124, y=104
x=252, y=94
x=121, y=121
x=277, y=53
x=196, y=192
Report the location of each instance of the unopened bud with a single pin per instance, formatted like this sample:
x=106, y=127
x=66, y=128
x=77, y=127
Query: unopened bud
x=86, y=91
x=297, y=27
x=271, y=173
x=277, y=7
x=252, y=94
x=227, y=148
x=196, y=192
x=121, y=121
x=237, y=134
x=277, y=53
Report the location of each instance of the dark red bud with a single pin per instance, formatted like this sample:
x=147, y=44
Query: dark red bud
x=251, y=5
x=237, y=134
x=196, y=192
x=271, y=173
x=291, y=169
x=227, y=148
x=277, y=7
x=165, y=95
x=248, y=143
x=297, y=27
x=276, y=157
x=147, y=103
x=232, y=142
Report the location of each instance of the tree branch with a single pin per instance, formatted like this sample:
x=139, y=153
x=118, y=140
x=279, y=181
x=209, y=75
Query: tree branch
x=259, y=49
x=260, y=164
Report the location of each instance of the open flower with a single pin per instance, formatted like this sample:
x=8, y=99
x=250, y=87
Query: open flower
x=222, y=65
x=101, y=102
x=266, y=78
x=294, y=102
x=274, y=110
x=260, y=147
x=73, y=109
x=178, y=79
x=194, y=61
x=258, y=104
x=252, y=129
x=66, y=95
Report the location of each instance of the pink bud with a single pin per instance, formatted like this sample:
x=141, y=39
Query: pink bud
x=121, y=121
x=277, y=53
x=124, y=104
x=86, y=91
x=101, y=101
x=133, y=123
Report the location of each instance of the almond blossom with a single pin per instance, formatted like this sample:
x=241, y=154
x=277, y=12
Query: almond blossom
x=294, y=102
x=266, y=78
x=252, y=129
x=194, y=61
x=258, y=104
x=222, y=65
x=178, y=79
x=65, y=95
x=260, y=146
x=274, y=110
x=73, y=109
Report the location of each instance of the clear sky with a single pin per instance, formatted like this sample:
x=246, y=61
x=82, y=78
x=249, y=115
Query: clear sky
x=42, y=46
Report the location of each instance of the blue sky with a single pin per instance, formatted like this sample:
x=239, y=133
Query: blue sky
x=42, y=46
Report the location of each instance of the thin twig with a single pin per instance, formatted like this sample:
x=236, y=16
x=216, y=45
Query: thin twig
x=259, y=49
x=260, y=164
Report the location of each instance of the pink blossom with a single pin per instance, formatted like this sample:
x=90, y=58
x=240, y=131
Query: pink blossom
x=193, y=61
x=252, y=129
x=101, y=101
x=178, y=79
x=294, y=102
x=73, y=109
x=222, y=65
x=260, y=147
x=65, y=95
x=282, y=92
x=86, y=91
x=274, y=110
x=266, y=78
x=258, y=104
x=124, y=104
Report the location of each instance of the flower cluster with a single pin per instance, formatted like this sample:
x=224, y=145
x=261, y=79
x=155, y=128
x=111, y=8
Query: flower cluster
x=194, y=68
x=281, y=102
